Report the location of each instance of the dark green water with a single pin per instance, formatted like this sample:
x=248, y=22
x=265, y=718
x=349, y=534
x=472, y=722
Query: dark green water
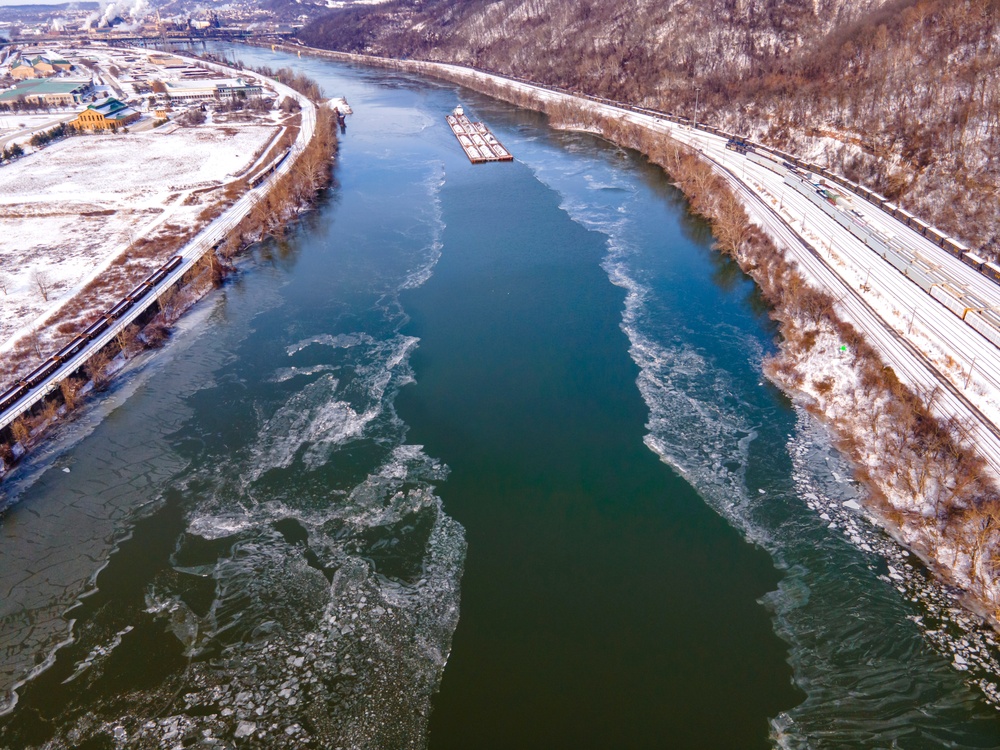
x=477, y=457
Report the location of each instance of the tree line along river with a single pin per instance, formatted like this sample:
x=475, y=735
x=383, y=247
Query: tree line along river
x=476, y=456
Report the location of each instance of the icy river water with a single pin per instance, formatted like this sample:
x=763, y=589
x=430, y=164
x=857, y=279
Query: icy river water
x=478, y=457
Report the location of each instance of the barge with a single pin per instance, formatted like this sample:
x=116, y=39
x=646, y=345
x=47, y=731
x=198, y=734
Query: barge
x=476, y=140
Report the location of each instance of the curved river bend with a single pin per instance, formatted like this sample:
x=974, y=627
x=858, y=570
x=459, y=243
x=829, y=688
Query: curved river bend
x=477, y=456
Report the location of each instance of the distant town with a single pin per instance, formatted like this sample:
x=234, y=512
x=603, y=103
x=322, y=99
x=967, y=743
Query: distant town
x=115, y=22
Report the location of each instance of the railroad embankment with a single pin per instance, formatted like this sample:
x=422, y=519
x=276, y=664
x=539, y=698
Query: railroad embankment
x=265, y=209
x=926, y=484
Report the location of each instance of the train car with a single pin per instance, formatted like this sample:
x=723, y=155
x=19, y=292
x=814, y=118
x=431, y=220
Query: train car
x=118, y=310
x=935, y=235
x=767, y=163
x=156, y=277
x=878, y=199
x=954, y=247
x=40, y=373
x=951, y=298
x=857, y=227
x=140, y=291
x=971, y=259
x=897, y=259
x=12, y=395
x=951, y=247
x=923, y=276
x=991, y=270
x=835, y=178
x=905, y=216
x=974, y=303
x=919, y=226
x=845, y=220
x=877, y=242
x=153, y=278
x=986, y=323
x=838, y=196
x=95, y=329
x=71, y=348
x=818, y=200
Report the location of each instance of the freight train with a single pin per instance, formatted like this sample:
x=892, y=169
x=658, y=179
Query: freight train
x=38, y=376
x=788, y=161
x=924, y=271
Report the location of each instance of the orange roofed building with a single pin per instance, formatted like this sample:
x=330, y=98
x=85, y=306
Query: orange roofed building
x=109, y=114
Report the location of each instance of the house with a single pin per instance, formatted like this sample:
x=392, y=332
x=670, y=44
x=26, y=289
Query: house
x=59, y=64
x=109, y=114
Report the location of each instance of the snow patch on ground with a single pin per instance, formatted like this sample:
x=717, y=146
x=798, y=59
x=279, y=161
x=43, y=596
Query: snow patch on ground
x=67, y=211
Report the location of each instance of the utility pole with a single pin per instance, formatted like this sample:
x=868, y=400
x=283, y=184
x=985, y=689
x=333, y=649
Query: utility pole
x=697, y=91
x=971, y=369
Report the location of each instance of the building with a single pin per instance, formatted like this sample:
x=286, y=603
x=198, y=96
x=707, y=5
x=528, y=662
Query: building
x=22, y=70
x=43, y=67
x=62, y=92
x=59, y=64
x=39, y=66
x=212, y=90
x=109, y=114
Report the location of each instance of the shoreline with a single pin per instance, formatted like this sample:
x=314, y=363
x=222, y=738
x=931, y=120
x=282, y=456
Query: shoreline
x=292, y=184
x=969, y=574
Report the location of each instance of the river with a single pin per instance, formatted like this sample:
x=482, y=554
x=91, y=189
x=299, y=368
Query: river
x=475, y=456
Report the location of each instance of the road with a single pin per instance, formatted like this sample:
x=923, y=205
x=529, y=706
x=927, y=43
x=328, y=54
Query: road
x=29, y=131
x=941, y=358
x=938, y=356
x=209, y=237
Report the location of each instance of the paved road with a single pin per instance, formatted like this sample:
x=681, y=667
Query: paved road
x=202, y=243
x=26, y=132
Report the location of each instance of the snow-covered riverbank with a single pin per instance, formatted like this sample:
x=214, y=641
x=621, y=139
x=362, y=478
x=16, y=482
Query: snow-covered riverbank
x=925, y=484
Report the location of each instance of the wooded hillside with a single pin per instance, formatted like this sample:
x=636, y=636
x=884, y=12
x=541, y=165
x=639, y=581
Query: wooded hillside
x=902, y=95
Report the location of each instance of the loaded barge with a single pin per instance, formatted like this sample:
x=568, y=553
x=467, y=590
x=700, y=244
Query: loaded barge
x=476, y=139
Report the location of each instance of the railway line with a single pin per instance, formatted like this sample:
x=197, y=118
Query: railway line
x=914, y=303
x=926, y=339
x=21, y=396
x=894, y=336
x=902, y=355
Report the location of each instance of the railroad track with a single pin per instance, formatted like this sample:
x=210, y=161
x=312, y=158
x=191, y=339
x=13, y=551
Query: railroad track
x=887, y=338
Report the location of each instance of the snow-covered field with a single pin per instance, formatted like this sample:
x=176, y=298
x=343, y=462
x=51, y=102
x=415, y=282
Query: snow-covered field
x=12, y=122
x=68, y=211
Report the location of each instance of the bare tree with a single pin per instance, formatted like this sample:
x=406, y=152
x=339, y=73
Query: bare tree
x=4, y=281
x=35, y=342
x=126, y=339
x=20, y=430
x=70, y=390
x=43, y=281
x=97, y=369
